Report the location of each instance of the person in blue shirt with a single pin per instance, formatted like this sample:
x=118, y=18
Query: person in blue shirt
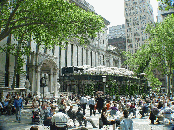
x=18, y=105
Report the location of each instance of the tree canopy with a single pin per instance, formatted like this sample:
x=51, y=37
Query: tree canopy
x=48, y=21
x=169, y=4
x=158, y=54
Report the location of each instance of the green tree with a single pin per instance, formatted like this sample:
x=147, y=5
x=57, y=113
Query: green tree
x=158, y=54
x=162, y=45
x=168, y=4
x=47, y=22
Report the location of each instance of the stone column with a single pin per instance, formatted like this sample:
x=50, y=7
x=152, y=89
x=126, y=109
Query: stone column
x=55, y=84
x=38, y=81
x=51, y=81
x=32, y=79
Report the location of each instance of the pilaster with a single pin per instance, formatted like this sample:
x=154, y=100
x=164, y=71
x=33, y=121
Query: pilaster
x=38, y=75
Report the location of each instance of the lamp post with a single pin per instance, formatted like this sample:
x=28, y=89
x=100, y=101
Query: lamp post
x=141, y=79
x=104, y=81
x=43, y=84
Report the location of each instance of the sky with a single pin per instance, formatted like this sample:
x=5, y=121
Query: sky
x=113, y=10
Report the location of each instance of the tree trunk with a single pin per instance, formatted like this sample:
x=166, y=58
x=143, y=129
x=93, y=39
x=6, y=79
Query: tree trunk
x=168, y=92
x=169, y=77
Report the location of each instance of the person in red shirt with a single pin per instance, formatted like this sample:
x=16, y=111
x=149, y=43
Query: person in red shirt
x=108, y=105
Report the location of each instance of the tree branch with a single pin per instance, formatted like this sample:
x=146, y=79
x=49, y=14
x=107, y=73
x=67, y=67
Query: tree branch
x=11, y=16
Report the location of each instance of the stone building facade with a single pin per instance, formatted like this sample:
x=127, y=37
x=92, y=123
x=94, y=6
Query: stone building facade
x=117, y=39
x=116, y=31
x=138, y=13
x=50, y=61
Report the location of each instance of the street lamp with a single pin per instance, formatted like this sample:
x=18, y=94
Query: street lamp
x=141, y=79
x=104, y=81
x=43, y=83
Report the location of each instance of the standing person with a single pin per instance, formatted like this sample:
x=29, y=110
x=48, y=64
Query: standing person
x=91, y=105
x=18, y=106
x=83, y=102
x=100, y=103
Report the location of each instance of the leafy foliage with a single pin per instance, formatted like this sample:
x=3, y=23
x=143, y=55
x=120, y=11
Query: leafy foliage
x=47, y=22
x=158, y=54
x=167, y=3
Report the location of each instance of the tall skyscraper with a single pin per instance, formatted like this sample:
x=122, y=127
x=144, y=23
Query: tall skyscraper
x=138, y=14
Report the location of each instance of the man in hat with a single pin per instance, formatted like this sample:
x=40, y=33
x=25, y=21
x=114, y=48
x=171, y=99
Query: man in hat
x=100, y=103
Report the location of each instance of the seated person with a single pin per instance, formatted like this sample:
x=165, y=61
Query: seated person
x=144, y=109
x=48, y=116
x=172, y=106
x=5, y=105
x=126, y=124
x=1, y=108
x=62, y=106
x=59, y=121
x=167, y=112
x=104, y=117
x=114, y=109
x=108, y=105
x=72, y=114
x=81, y=117
x=132, y=109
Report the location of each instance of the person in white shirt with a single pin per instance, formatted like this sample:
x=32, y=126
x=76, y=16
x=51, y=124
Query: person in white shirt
x=83, y=102
x=91, y=105
x=59, y=121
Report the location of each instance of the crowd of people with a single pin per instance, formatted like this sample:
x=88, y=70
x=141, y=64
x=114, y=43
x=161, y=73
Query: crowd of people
x=159, y=108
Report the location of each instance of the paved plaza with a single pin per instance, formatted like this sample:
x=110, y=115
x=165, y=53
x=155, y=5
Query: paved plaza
x=8, y=122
